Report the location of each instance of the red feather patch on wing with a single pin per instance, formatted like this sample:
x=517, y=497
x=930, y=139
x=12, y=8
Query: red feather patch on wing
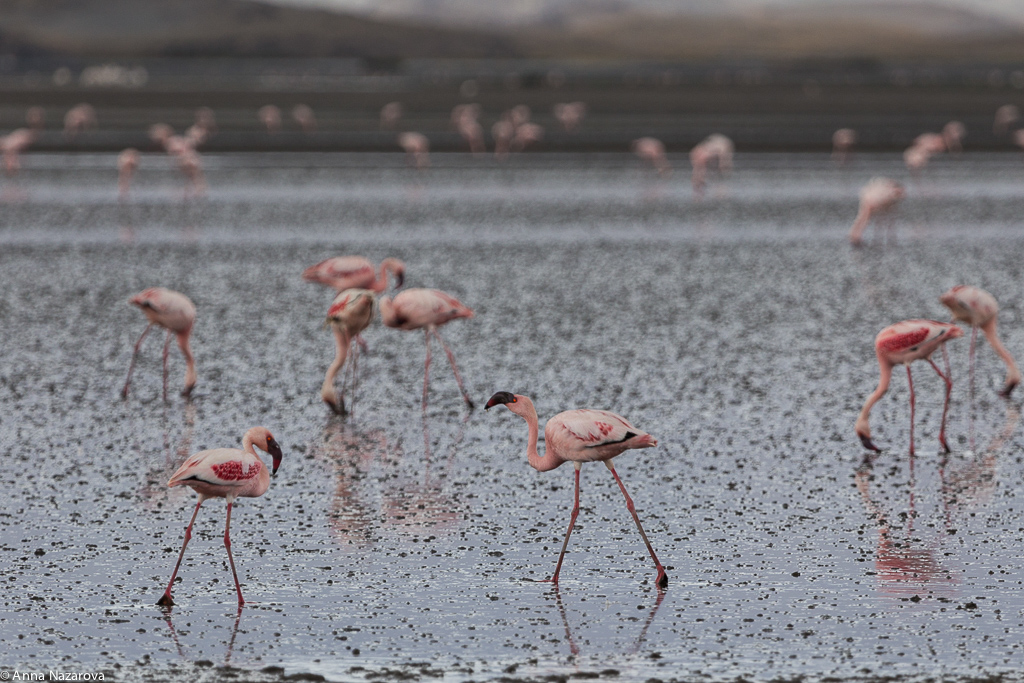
x=899, y=342
x=234, y=471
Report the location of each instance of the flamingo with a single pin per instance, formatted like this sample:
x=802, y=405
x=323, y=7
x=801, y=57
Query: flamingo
x=304, y=116
x=527, y=134
x=465, y=118
x=843, y=141
x=355, y=272
x=127, y=164
x=426, y=309
x=1006, y=116
x=503, y=131
x=225, y=473
x=270, y=117
x=570, y=115
x=79, y=118
x=953, y=134
x=652, y=151
x=417, y=146
x=716, y=149
x=581, y=436
x=175, y=313
x=977, y=308
x=390, y=115
x=13, y=144
x=350, y=313
x=879, y=195
x=902, y=344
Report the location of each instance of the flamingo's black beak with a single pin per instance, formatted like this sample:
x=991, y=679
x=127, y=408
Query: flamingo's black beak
x=399, y=278
x=868, y=444
x=275, y=452
x=1008, y=389
x=500, y=398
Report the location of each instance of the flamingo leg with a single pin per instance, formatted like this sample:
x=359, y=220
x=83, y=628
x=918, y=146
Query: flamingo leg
x=166, y=600
x=662, y=579
x=426, y=369
x=167, y=353
x=572, y=523
x=455, y=369
x=945, y=406
x=910, y=380
x=131, y=364
x=970, y=356
x=231, y=560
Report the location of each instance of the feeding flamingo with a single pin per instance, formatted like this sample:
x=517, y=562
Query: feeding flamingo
x=652, y=151
x=175, y=313
x=716, y=149
x=978, y=308
x=902, y=344
x=581, y=436
x=355, y=272
x=350, y=313
x=225, y=473
x=879, y=195
x=426, y=309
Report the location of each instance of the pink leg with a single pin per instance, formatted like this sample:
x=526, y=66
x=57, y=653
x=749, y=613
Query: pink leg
x=167, y=353
x=167, y=600
x=970, y=356
x=572, y=523
x=131, y=365
x=458, y=378
x=426, y=369
x=945, y=406
x=662, y=579
x=231, y=560
x=911, y=381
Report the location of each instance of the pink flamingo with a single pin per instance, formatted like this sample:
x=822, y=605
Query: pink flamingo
x=390, y=115
x=225, y=473
x=191, y=166
x=426, y=309
x=878, y=196
x=303, y=115
x=175, y=313
x=127, y=164
x=916, y=158
x=843, y=141
x=417, y=146
x=715, y=149
x=270, y=117
x=350, y=313
x=652, y=151
x=355, y=272
x=977, y=308
x=519, y=115
x=953, y=134
x=1006, y=116
x=465, y=118
x=13, y=144
x=902, y=344
x=581, y=436
x=570, y=115
x=79, y=118
x=527, y=134
x=503, y=131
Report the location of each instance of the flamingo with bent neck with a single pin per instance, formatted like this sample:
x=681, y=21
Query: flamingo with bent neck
x=355, y=272
x=581, y=436
x=225, y=473
x=979, y=309
x=350, y=313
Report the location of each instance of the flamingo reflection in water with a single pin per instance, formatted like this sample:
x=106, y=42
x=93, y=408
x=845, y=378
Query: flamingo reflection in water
x=203, y=638
x=637, y=644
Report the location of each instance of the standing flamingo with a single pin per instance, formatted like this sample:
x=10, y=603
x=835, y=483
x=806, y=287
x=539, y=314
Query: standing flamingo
x=225, y=473
x=350, y=313
x=879, y=195
x=355, y=272
x=978, y=308
x=426, y=309
x=175, y=313
x=902, y=344
x=581, y=436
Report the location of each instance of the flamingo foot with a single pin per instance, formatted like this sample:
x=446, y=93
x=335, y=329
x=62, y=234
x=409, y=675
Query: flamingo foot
x=868, y=444
x=662, y=580
x=166, y=600
x=1008, y=389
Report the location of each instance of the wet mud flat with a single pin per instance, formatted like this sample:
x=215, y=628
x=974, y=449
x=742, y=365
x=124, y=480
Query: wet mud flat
x=396, y=544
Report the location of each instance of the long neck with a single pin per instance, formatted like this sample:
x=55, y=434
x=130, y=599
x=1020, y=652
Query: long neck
x=540, y=463
x=190, y=363
x=342, y=339
x=885, y=374
x=247, y=444
x=989, y=328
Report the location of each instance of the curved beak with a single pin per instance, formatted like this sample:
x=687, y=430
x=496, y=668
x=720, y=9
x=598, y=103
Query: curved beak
x=399, y=278
x=275, y=452
x=499, y=398
x=869, y=444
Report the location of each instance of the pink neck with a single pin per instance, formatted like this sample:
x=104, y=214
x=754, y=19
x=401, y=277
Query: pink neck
x=550, y=460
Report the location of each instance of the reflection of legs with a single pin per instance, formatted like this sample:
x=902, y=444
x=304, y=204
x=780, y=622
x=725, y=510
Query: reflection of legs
x=662, y=579
x=572, y=523
x=167, y=352
x=910, y=380
x=166, y=600
x=131, y=365
x=426, y=369
x=945, y=406
x=231, y=560
x=458, y=378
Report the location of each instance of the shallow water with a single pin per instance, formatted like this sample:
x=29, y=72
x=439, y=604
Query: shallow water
x=393, y=544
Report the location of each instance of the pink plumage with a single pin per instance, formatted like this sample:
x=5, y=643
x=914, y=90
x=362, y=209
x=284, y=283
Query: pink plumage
x=174, y=312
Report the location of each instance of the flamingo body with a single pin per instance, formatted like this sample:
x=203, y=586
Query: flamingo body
x=879, y=195
x=175, y=313
x=350, y=313
x=902, y=344
x=979, y=309
x=652, y=151
x=355, y=272
x=225, y=473
x=581, y=436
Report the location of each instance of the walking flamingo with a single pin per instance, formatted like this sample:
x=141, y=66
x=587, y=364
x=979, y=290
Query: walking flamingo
x=978, y=308
x=878, y=196
x=581, y=436
x=426, y=309
x=225, y=473
x=652, y=151
x=175, y=313
x=350, y=313
x=355, y=272
x=902, y=344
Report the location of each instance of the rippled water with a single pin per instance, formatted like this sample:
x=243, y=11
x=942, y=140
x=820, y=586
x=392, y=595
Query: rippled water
x=393, y=544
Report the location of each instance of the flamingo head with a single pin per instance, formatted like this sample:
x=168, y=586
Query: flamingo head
x=349, y=304
x=517, y=403
x=955, y=304
x=397, y=269
x=265, y=441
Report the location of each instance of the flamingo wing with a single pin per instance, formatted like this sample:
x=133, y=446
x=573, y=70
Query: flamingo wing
x=586, y=434
x=352, y=271
x=219, y=467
